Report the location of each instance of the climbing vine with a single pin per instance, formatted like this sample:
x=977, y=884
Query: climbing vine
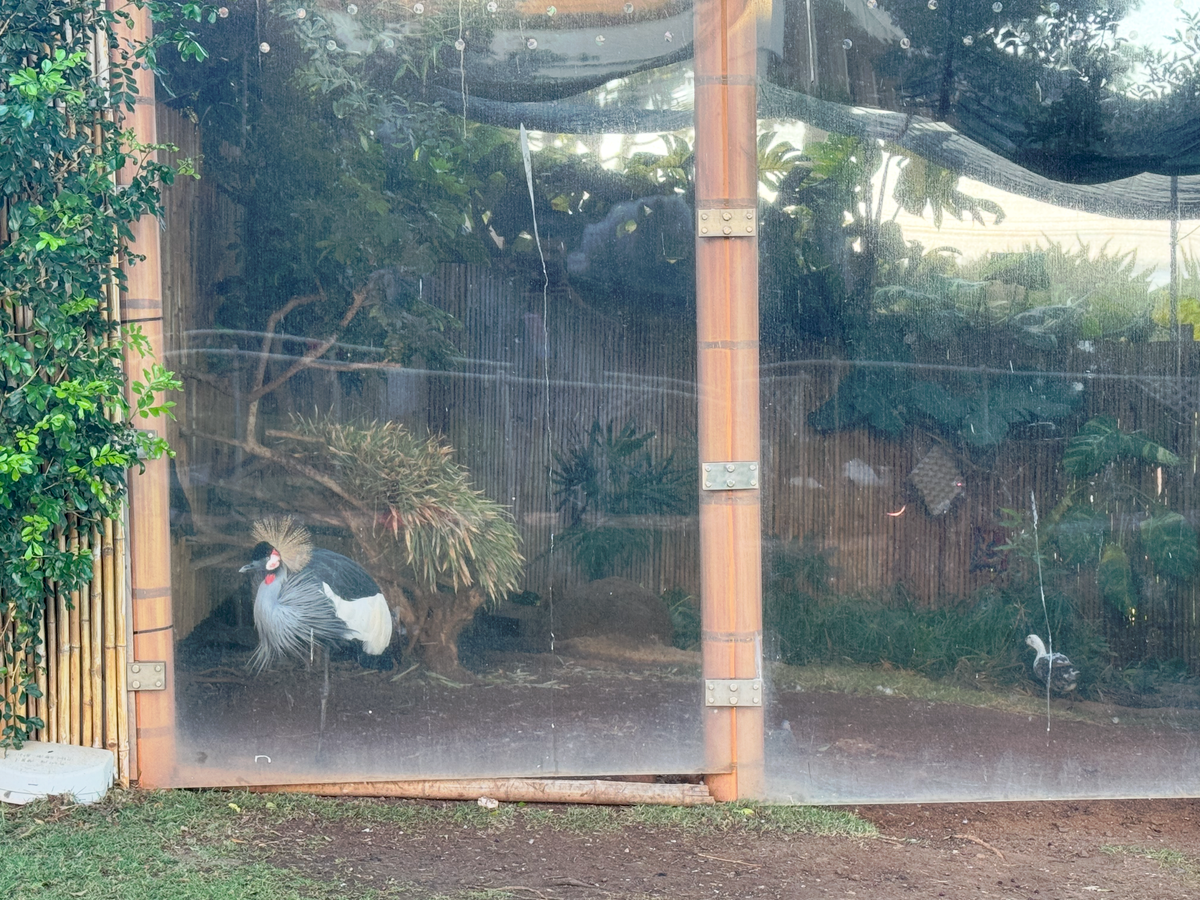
x=67, y=436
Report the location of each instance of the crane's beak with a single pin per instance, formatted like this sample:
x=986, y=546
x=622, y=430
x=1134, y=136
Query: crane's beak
x=257, y=564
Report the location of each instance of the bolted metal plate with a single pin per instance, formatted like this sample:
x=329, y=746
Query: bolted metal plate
x=733, y=692
x=729, y=476
x=727, y=222
x=146, y=675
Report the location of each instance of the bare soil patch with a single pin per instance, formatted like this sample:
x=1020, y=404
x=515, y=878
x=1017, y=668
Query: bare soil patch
x=1139, y=850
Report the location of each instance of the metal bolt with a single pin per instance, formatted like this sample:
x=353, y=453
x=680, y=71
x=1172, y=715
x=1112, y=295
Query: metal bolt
x=136, y=685
x=733, y=701
x=726, y=215
x=136, y=669
x=727, y=230
x=729, y=467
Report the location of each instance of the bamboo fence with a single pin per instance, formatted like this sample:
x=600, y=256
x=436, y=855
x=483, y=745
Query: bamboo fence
x=539, y=369
x=81, y=674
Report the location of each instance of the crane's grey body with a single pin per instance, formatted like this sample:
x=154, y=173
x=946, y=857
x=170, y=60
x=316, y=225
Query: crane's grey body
x=292, y=615
x=298, y=606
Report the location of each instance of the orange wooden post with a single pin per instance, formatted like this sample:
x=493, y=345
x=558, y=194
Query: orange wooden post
x=727, y=372
x=149, y=502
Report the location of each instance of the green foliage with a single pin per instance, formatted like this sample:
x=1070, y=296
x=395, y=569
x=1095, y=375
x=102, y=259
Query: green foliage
x=452, y=535
x=1100, y=442
x=979, y=409
x=608, y=485
x=66, y=427
x=347, y=176
x=922, y=185
x=982, y=637
x=685, y=618
x=1105, y=521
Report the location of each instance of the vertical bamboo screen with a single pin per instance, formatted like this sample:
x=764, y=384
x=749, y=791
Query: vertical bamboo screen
x=84, y=700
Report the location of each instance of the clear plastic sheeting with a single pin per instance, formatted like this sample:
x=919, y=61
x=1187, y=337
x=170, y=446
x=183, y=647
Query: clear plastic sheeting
x=1079, y=93
x=434, y=500
x=980, y=436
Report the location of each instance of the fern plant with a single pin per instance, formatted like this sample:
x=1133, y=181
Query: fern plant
x=610, y=486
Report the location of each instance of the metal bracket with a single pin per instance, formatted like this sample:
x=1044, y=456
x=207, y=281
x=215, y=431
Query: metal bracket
x=719, y=222
x=146, y=675
x=733, y=692
x=729, y=476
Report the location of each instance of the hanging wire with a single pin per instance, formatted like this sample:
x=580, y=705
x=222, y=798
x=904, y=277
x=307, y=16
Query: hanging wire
x=1037, y=555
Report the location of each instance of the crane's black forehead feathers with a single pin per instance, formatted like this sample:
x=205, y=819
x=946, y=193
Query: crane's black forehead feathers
x=261, y=551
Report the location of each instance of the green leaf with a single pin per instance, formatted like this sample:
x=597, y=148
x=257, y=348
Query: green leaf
x=1080, y=534
x=1097, y=443
x=1170, y=542
x=1115, y=580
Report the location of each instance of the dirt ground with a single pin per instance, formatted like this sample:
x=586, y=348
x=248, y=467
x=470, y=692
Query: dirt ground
x=1135, y=849
x=1140, y=850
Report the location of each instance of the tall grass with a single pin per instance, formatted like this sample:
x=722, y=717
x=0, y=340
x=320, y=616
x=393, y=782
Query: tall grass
x=980, y=637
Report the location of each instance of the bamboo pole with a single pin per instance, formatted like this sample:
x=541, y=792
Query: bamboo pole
x=63, y=658
x=148, y=510
x=50, y=663
x=727, y=375
x=95, y=643
x=511, y=790
x=112, y=700
x=74, y=659
x=42, y=679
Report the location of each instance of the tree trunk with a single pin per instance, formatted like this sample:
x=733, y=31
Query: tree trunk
x=434, y=619
x=441, y=617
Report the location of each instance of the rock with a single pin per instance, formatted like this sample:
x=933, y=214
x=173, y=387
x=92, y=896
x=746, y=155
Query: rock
x=616, y=607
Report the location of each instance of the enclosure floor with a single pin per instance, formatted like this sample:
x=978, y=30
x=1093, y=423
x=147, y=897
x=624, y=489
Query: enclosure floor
x=842, y=748
x=546, y=715
x=539, y=715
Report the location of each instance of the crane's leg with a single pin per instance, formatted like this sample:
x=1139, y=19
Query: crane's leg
x=324, y=703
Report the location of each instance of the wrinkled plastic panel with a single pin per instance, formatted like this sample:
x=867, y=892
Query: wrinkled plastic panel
x=435, y=345
x=979, y=407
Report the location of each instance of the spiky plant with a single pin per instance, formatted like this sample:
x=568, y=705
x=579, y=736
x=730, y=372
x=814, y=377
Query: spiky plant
x=460, y=548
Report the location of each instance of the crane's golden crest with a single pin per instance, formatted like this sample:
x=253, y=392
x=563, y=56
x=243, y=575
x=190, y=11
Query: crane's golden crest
x=291, y=539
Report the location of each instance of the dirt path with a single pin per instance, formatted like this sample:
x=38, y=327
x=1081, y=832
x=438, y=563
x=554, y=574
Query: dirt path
x=1134, y=850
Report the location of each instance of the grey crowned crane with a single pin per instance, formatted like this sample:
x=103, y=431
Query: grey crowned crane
x=306, y=597
x=1052, y=669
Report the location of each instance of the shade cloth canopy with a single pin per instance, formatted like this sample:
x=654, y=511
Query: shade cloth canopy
x=1056, y=101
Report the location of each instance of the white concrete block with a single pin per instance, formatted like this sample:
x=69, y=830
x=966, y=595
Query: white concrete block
x=39, y=769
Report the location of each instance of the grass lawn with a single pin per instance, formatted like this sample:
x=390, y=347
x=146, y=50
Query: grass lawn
x=210, y=845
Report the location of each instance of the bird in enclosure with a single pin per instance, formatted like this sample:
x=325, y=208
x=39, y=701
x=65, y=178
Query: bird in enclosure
x=307, y=598
x=1053, y=669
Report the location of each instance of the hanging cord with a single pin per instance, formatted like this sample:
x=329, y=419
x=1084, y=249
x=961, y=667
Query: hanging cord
x=1037, y=555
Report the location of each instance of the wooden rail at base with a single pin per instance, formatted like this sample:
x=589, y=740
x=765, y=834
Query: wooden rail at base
x=511, y=790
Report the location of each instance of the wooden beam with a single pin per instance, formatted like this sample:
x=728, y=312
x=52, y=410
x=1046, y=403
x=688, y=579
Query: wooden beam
x=512, y=790
x=727, y=373
x=149, y=505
